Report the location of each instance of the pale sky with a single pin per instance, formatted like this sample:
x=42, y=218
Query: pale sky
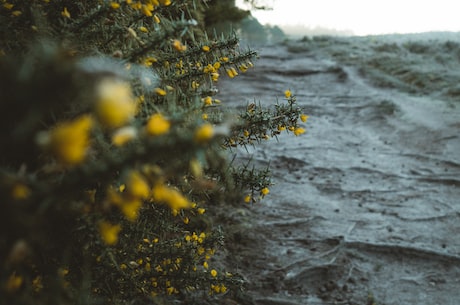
x=365, y=17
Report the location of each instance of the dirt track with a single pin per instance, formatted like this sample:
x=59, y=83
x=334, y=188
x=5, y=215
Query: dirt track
x=366, y=205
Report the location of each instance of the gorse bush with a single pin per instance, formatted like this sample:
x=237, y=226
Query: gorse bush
x=114, y=147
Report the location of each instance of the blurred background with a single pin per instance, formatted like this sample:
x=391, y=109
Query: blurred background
x=298, y=18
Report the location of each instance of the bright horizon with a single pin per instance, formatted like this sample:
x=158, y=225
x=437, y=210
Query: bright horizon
x=364, y=17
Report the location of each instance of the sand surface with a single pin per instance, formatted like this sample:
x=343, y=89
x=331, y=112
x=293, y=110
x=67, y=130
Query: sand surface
x=365, y=206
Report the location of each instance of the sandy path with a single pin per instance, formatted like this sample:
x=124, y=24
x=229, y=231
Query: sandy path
x=366, y=205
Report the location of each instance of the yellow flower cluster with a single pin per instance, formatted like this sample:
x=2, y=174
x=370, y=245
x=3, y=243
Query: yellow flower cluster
x=231, y=72
x=219, y=288
x=195, y=238
x=115, y=104
x=115, y=5
x=298, y=131
x=160, y=274
x=160, y=91
x=157, y=125
x=147, y=6
x=304, y=118
x=69, y=141
x=178, y=46
x=264, y=191
x=123, y=135
x=14, y=282
x=207, y=101
x=204, y=133
x=20, y=191
x=65, y=13
x=170, y=196
x=130, y=197
x=109, y=232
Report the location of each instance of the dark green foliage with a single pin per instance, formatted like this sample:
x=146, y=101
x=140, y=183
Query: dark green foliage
x=90, y=217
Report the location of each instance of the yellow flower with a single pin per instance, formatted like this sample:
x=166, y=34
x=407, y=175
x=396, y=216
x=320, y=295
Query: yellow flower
x=215, y=76
x=231, y=72
x=247, y=198
x=265, y=191
x=165, y=2
x=147, y=10
x=157, y=125
x=204, y=133
x=195, y=84
x=137, y=186
x=207, y=101
x=149, y=61
x=160, y=92
x=70, y=140
x=20, y=191
x=179, y=46
x=209, y=69
x=287, y=93
x=215, y=288
x=130, y=208
x=170, y=196
x=201, y=211
x=124, y=135
x=18, y=13
x=205, y=48
x=8, y=6
x=115, y=104
x=281, y=128
x=115, y=5
x=156, y=19
x=65, y=13
x=177, y=201
x=195, y=168
x=136, y=5
x=109, y=232
x=200, y=251
x=143, y=29
x=114, y=197
x=213, y=273
x=205, y=265
x=160, y=192
x=298, y=131
x=37, y=283
x=303, y=117
x=171, y=290
x=14, y=282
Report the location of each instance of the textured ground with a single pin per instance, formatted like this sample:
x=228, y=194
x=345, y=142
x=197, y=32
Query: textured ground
x=366, y=205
